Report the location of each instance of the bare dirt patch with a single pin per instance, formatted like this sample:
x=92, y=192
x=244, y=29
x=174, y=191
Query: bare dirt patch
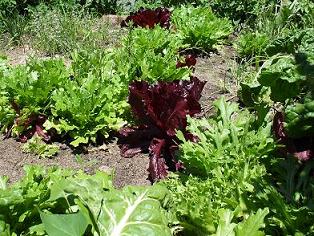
x=106, y=158
x=216, y=69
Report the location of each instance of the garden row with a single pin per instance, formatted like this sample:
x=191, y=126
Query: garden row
x=245, y=171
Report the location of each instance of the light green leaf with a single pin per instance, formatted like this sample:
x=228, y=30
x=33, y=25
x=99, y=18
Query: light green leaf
x=64, y=225
x=78, y=141
x=3, y=182
x=252, y=224
x=225, y=227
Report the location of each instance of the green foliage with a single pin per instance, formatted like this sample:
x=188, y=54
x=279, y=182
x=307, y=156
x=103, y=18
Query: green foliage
x=150, y=55
x=299, y=119
x=232, y=174
x=200, y=28
x=240, y=11
x=29, y=87
x=14, y=26
x=201, y=207
x=252, y=44
x=62, y=202
x=7, y=114
x=278, y=30
x=223, y=166
x=228, y=142
x=169, y=3
x=281, y=75
x=257, y=44
x=285, y=78
x=38, y=147
x=290, y=202
x=93, y=102
x=89, y=106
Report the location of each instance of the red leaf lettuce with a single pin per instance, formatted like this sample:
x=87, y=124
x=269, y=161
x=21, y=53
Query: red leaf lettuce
x=189, y=61
x=301, y=148
x=161, y=109
x=149, y=18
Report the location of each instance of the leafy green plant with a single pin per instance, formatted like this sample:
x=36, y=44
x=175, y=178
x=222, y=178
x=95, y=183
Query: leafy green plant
x=200, y=28
x=62, y=202
x=26, y=91
x=202, y=207
x=252, y=44
x=36, y=146
x=225, y=142
x=90, y=105
x=219, y=169
x=150, y=55
x=299, y=119
x=7, y=113
x=285, y=82
x=240, y=11
x=14, y=27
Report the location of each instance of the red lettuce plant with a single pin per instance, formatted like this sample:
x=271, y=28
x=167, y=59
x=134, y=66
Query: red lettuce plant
x=29, y=126
x=189, y=61
x=149, y=18
x=301, y=148
x=161, y=109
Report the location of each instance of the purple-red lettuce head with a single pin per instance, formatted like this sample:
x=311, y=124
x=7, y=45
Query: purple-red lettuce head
x=161, y=110
x=149, y=18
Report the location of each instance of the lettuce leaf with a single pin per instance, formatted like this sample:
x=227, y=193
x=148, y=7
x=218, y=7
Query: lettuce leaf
x=161, y=109
x=149, y=18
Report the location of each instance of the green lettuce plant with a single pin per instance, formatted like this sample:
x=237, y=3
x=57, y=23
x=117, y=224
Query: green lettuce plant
x=200, y=28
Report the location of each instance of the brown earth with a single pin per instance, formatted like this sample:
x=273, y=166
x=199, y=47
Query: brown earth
x=215, y=69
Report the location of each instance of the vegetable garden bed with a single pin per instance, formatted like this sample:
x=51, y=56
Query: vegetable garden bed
x=177, y=119
x=214, y=69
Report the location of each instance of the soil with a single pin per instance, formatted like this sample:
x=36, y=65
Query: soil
x=215, y=69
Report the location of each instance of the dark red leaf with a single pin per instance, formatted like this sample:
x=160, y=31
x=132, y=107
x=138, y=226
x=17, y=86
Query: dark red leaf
x=278, y=126
x=149, y=18
x=189, y=61
x=161, y=109
x=34, y=124
x=301, y=148
x=157, y=165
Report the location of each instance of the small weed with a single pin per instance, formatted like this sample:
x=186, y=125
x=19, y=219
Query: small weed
x=38, y=147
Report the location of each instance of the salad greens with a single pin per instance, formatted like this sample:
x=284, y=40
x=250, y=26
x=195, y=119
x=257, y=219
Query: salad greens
x=200, y=28
x=64, y=202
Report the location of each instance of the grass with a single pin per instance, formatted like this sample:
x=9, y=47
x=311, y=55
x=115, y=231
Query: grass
x=57, y=30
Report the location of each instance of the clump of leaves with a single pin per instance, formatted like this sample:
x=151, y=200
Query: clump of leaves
x=200, y=28
x=223, y=140
x=251, y=44
x=149, y=18
x=286, y=80
x=37, y=146
x=219, y=169
x=240, y=11
x=89, y=107
x=295, y=131
x=26, y=93
x=161, y=109
x=55, y=30
x=63, y=202
x=209, y=207
x=189, y=61
x=150, y=55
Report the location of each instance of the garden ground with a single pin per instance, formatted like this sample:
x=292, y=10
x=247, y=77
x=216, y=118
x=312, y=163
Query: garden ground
x=215, y=69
